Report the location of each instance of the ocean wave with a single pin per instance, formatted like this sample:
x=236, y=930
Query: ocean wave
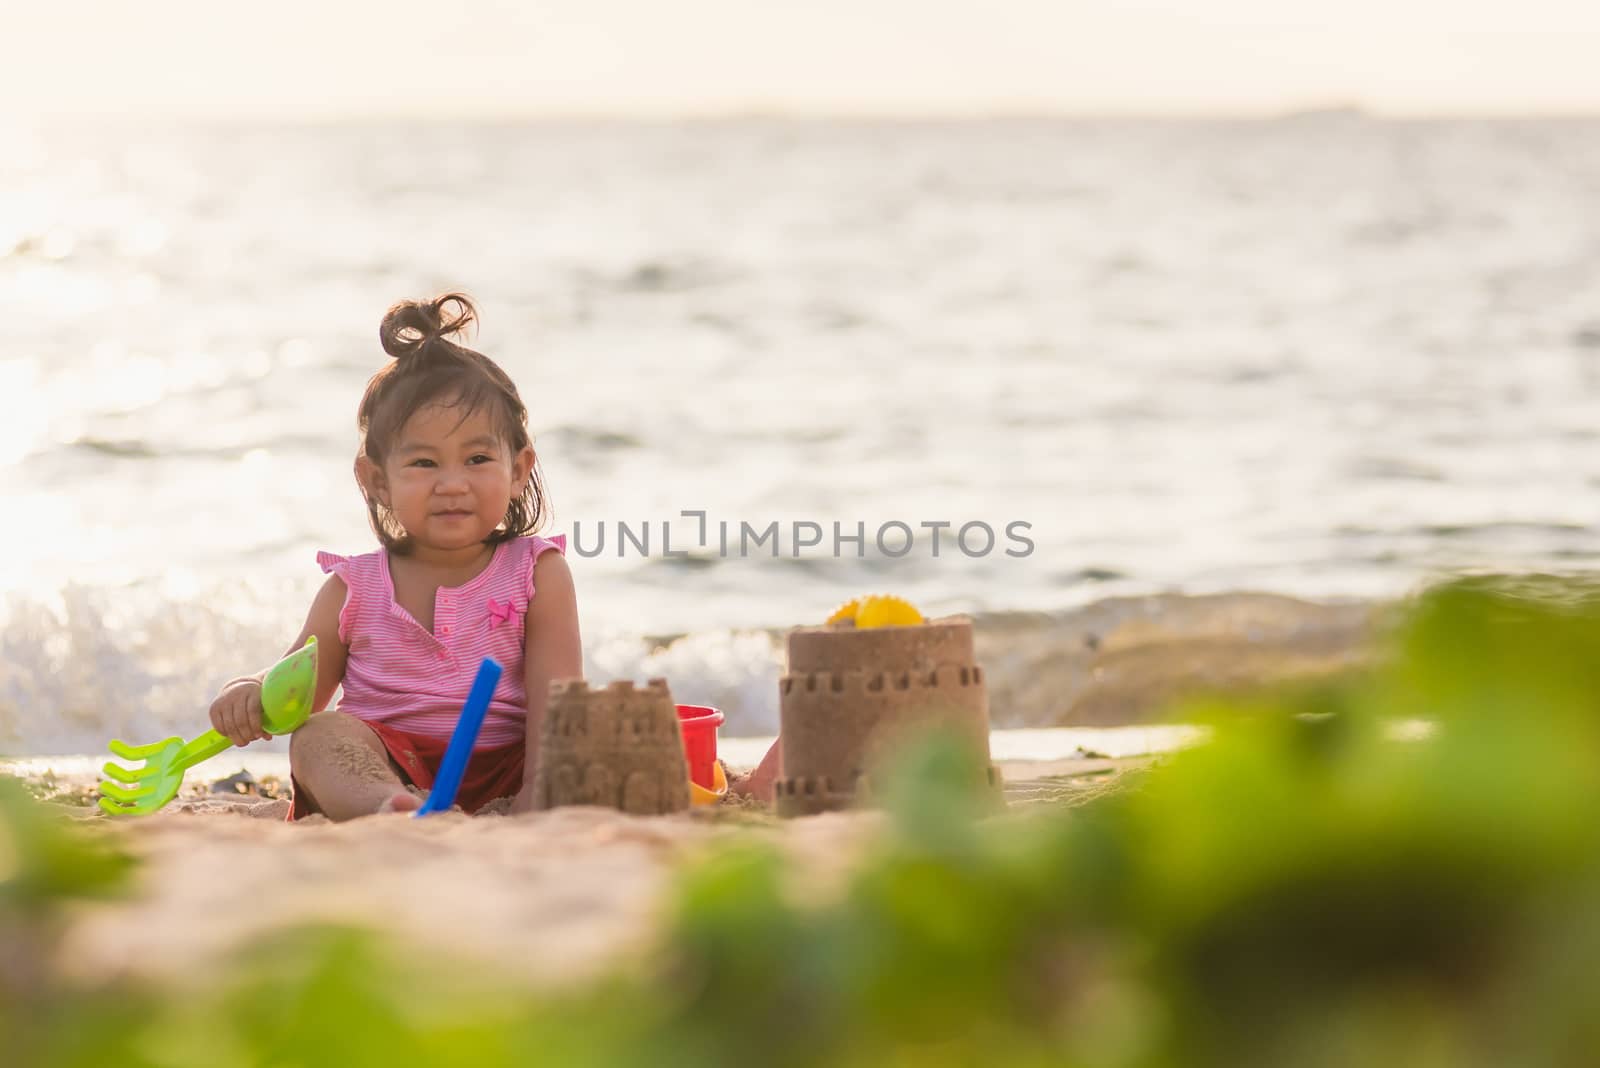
x=86, y=666
x=583, y=439
x=91, y=664
x=659, y=276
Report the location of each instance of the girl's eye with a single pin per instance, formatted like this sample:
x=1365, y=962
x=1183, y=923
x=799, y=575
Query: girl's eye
x=421, y=463
x=480, y=459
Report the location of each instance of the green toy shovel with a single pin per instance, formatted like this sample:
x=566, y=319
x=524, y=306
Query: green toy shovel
x=287, y=691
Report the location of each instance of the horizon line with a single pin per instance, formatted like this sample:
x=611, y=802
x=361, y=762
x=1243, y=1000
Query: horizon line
x=1330, y=112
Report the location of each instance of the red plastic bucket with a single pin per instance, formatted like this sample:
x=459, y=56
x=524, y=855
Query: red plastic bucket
x=699, y=724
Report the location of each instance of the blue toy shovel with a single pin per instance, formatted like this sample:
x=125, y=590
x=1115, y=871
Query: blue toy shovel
x=454, y=764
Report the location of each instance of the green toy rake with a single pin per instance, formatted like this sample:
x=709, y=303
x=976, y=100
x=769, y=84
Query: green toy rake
x=287, y=690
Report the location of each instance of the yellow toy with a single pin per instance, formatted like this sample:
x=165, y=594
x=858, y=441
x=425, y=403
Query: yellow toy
x=877, y=610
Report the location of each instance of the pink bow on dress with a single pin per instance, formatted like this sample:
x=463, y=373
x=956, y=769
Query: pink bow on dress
x=499, y=613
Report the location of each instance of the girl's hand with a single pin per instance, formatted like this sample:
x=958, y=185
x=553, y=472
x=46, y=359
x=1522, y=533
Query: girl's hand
x=236, y=712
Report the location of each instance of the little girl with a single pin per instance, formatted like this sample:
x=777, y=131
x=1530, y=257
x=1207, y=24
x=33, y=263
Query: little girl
x=453, y=493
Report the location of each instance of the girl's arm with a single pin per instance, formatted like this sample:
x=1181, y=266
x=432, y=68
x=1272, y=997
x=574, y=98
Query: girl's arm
x=552, y=649
x=237, y=710
x=323, y=621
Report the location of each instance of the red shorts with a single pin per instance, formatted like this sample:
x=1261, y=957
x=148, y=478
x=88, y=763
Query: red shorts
x=491, y=773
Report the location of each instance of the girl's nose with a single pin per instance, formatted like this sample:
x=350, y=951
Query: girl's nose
x=452, y=478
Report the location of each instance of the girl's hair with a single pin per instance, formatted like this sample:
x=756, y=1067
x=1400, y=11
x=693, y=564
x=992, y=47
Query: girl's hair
x=429, y=368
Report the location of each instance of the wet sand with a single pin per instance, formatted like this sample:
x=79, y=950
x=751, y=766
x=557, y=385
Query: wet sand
x=1125, y=660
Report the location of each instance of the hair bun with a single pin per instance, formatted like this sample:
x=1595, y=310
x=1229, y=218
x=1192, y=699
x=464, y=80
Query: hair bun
x=412, y=326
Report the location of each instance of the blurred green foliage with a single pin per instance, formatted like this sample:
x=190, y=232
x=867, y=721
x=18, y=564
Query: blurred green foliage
x=41, y=864
x=1310, y=887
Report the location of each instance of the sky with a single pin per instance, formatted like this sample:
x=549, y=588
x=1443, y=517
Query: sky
x=331, y=59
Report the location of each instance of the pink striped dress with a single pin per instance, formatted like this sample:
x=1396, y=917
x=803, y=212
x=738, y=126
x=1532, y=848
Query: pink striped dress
x=415, y=680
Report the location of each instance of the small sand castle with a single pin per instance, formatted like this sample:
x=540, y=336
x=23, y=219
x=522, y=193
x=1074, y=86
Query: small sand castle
x=854, y=693
x=619, y=746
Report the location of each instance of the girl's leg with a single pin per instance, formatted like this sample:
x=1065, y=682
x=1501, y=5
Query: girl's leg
x=344, y=769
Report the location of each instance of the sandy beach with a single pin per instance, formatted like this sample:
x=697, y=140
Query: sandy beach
x=546, y=897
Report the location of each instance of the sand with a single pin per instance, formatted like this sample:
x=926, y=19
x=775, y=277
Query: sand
x=546, y=896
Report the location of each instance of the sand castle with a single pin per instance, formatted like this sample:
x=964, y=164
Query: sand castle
x=619, y=746
x=852, y=694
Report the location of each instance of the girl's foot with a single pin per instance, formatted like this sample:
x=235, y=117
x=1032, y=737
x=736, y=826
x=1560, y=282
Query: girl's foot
x=757, y=784
x=760, y=783
x=401, y=801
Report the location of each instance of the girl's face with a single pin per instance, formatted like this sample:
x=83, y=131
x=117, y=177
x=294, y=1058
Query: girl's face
x=448, y=480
